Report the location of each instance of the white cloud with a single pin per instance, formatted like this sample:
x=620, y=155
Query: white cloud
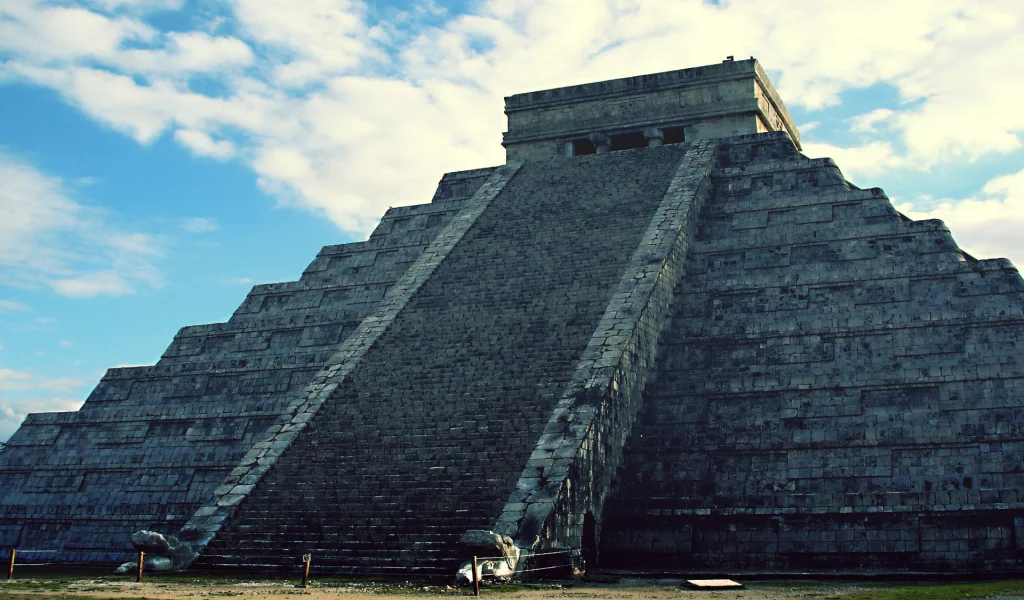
x=344, y=117
x=49, y=239
x=203, y=145
x=60, y=34
x=105, y=283
x=65, y=343
x=24, y=381
x=136, y=5
x=968, y=88
x=198, y=225
x=865, y=161
x=23, y=392
x=987, y=225
x=44, y=34
x=7, y=305
x=868, y=122
x=313, y=38
x=142, y=111
x=189, y=52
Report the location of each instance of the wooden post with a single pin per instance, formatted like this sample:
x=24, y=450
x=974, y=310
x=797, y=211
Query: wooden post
x=306, y=558
x=476, y=579
x=138, y=575
x=10, y=569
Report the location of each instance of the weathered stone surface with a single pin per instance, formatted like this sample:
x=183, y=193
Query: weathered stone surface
x=162, y=552
x=840, y=387
x=497, y=555
x=491, y=544
x=710, y=354
x=481, y=539
x=583, y=440
x=702, y=103
x=496, y=330
x=151, y=444
x=200, y=529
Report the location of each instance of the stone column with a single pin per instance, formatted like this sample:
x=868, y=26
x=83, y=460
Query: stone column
x=654, y=136
x=602, y=142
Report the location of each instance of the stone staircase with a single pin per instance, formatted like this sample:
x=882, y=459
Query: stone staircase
x=431, y=431
x=152, y=443
x=840, y=388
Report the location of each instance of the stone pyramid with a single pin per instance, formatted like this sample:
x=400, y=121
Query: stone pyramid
x=659, y=336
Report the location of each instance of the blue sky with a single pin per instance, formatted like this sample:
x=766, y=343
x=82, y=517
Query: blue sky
x=159, y=157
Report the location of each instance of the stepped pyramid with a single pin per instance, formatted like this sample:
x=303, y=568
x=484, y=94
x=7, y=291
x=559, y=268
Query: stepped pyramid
x=659, y=336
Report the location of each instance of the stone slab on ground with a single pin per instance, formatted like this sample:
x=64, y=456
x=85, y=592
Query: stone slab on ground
x=714, y=584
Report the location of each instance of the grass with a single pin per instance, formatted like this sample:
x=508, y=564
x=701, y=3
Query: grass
x=4, y=595
x=47, y=589
x=941, y=591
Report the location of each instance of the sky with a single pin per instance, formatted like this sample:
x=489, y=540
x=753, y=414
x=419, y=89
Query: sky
x=160, y=157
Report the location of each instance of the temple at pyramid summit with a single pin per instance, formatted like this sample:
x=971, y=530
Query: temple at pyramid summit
x=659, y=337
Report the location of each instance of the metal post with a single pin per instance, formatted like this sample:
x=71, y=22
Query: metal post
x=476, y=579
x=306, y=558
x=10, y=569
x=142, y=558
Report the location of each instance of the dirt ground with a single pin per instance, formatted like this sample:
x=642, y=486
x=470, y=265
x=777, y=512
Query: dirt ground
x=282, y=590
x=186, y=588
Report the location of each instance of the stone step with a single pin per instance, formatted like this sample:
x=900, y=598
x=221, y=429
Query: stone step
x=821, y=376
x=854, y=239
x=504, y=318
x=745, y=149
x=218, y=388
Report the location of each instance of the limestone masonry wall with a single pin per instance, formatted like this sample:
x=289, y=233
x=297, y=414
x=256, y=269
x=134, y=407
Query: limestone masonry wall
x=151, y=444
x=713, y=101
x=713, y=355
x=840, y=388
x=208, y=520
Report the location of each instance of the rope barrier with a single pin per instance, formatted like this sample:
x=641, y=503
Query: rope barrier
x=525, y=555
x=369, y=571
x=529, y=570
x=552, y=552
x=545, y=568
x=17, y=551
x=407, y=568
x=374, y=566
x=354, y=570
